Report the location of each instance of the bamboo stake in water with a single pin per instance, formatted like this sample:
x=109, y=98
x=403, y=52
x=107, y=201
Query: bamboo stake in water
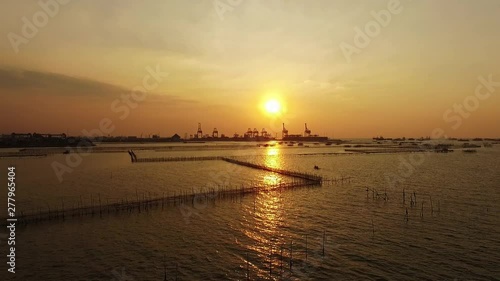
x=164, y=269
x=92, y=204
x=271, y=262
x=324, y=237
x=422, y=210
x=138, y=202
x=100, y=210
x=81, y=204
x=306, y=247
x=62, y=199
x=432, y=209
x=248, y=271
x=281, y=260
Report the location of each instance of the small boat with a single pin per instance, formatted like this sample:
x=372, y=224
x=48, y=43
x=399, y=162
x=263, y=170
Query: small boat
x=470, y=145
x=316, y=167
x=443, y=150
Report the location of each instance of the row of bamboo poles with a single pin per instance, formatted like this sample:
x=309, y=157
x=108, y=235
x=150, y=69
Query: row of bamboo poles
x=289, y=260
x=412, y=196
x=100, y=207
x=306, y=176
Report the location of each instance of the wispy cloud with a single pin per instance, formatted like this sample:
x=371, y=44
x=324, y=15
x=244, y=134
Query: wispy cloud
x=21, y=82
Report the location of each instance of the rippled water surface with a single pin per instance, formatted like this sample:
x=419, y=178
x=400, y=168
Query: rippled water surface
x=329, y=232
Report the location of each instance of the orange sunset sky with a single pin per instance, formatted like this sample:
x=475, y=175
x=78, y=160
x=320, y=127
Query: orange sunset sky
x=226, y=59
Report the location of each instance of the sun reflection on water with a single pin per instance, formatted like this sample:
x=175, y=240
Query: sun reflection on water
x=271, y=179
x=272, y=158
x=266, y=212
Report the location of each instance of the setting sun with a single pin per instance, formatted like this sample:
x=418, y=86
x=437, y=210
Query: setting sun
x=272, y=106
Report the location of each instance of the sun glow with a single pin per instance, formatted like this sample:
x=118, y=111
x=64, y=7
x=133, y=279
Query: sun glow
x=272, y=106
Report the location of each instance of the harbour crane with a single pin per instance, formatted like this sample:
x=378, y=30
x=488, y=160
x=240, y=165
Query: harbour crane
x=255, y=133
x=264, y=133
x=307, y=132
x=249, y=133
x=284, y=132
x=199, y=133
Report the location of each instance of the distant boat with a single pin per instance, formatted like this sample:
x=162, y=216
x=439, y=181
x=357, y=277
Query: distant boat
x=470, y=145
x=443, y=150
x=316, y=167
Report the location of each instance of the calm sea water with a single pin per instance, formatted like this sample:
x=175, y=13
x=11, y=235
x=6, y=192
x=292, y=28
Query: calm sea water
x=349, y=234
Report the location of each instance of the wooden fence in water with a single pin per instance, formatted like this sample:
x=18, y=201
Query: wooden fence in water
x=99, y=208
x=306, y=176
